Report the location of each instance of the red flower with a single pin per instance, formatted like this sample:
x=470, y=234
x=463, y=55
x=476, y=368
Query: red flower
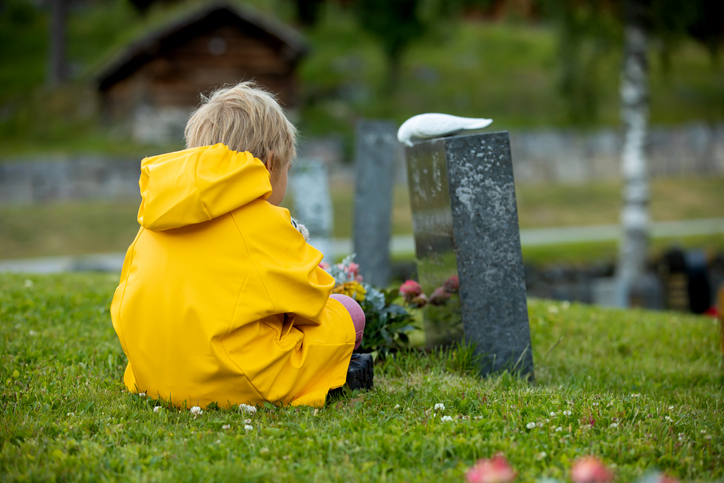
x=495, y=470
x=410, y=289
x=452, y=284
x=589, y=469
x=324, y=265
x=439, y=296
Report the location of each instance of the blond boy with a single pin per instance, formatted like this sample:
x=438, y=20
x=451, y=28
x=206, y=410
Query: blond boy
x=221, y=299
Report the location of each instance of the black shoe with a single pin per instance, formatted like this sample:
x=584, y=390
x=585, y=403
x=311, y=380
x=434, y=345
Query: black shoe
x=361, y=372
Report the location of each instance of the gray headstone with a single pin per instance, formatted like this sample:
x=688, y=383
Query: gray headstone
x=646, y=292
x=309, y=183
x=604, y=291
x=376, y=147
x=466, y=222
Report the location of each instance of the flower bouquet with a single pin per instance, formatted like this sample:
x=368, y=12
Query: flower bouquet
x=387, y=323
x=443, y=319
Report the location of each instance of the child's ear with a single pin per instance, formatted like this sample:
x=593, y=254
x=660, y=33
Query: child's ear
x=268, y=160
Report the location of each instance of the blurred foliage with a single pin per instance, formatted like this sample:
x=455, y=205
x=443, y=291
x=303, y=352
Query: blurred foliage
x=588, y=30
x=507, y=69
x=395, y=24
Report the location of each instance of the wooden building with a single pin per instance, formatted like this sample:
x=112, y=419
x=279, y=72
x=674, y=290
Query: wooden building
x=155, y=83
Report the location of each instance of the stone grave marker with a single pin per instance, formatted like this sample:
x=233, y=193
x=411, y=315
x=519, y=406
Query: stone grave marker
x=309, y=183
x=375, y=153
x=672, y=270
x=465, y=219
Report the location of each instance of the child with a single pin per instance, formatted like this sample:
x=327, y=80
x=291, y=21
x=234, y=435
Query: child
x=221, y=299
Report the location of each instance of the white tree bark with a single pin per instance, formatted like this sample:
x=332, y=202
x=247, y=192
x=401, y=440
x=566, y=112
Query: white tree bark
x=635, y=109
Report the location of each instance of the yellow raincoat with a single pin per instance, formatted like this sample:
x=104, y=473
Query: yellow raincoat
x=221, y=299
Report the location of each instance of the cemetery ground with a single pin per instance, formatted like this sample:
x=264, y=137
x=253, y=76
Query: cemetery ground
x=640, y=390
x=77, y=228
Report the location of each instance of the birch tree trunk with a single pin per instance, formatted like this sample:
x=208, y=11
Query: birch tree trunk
x=634, y=113
x=56, y=59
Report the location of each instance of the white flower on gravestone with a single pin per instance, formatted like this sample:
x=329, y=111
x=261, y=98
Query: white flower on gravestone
x=434, y=125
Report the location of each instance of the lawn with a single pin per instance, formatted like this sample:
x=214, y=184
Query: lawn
x=640, y=390
x=74, y=228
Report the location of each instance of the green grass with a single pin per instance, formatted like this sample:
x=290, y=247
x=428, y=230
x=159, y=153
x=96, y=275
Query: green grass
x=657, y=376
x=74, y=228
x=607, y=251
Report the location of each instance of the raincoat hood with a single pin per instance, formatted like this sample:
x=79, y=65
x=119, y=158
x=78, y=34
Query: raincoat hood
x=198, y=184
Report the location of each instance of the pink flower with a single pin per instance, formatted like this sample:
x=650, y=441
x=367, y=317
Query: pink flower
x=410, y=289
x=452, y=284
x=420, y=301
x=495, y=470
x=589, y=469
x=439, y=296
x=663, y=478
x=353, y=269
x=324, y=265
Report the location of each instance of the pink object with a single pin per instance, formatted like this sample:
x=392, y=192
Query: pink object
x=357, y=314
x=420, y=301
x=589, y=469
x=495, y=470
x=410, y=289
x=353, y=269
x=452, y=284
x=439, y=296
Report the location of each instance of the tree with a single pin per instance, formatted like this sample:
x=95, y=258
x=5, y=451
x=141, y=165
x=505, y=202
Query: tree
x=395, y=24
x=57, y=67
x=670, y=21
x=308, y=11
x=634, y=114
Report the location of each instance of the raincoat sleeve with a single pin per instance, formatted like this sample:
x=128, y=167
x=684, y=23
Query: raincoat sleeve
x=288, y=265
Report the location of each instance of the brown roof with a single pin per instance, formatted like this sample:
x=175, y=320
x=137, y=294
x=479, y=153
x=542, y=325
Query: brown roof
x=217, y=14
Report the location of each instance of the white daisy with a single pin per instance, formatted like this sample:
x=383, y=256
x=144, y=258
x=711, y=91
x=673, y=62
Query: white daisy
x=247, y=409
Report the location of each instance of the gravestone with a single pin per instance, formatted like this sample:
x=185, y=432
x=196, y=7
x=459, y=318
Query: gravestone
x=698, y=286
x=465, y=220
x=309, y=183
x=376, y=147
x=672, y=270
x=647, y=292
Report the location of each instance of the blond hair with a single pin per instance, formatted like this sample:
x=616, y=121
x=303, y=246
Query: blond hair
x=244, y=117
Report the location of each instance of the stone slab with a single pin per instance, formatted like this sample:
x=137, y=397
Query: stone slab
x=466, y=223
x=375, y=153
x=309, y=183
